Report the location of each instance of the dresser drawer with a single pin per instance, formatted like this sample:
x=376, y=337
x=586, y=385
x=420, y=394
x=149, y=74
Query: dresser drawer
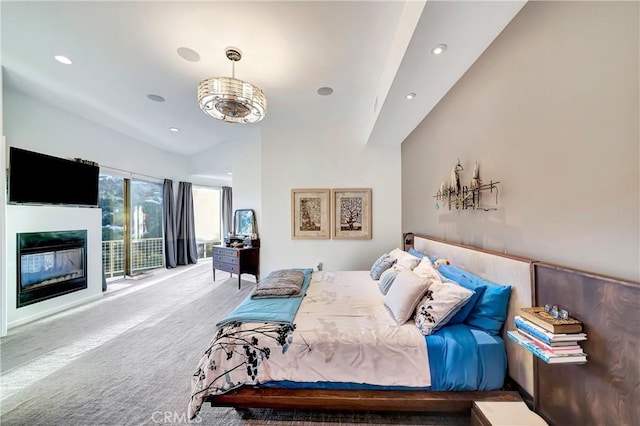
x=225, y=258
x=225, y=255
x=233, y=268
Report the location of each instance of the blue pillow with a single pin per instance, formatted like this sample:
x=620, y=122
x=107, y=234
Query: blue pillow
x=490, y=309
x=383, y=263
x=386, y=279
x=477, y=288
x=416, y=253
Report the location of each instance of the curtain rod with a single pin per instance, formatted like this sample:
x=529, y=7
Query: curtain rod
x=132, y=174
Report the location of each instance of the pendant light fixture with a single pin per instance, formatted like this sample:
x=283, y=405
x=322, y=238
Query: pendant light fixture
x=229, y=99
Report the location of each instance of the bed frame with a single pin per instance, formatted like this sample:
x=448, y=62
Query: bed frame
x=492, y=266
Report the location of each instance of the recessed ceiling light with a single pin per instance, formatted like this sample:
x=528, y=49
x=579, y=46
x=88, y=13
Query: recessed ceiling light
x=229, y=173
x=188, y=54
x=325, y=91
x=410, y=95
x=174, y=129
x=439, y=49
x=63, y=59
x=155, y=98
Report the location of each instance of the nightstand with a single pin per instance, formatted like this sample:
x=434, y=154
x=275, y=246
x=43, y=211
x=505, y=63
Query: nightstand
x=241, y=260
x=504, y=413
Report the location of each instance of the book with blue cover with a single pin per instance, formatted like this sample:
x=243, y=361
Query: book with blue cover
x=546, y=356
x=544, y=335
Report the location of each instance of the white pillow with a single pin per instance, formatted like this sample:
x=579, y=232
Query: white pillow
x=406, y=263
x=396, y=253
x=425, y=269
x=403, y=296
x=439, y=304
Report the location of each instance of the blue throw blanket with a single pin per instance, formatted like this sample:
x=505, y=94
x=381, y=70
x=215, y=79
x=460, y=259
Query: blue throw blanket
x=275, y=310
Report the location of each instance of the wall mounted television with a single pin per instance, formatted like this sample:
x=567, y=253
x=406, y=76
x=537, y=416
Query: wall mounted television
x=36, y=178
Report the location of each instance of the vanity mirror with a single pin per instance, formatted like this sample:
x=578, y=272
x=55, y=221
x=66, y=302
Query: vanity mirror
x=244, y=223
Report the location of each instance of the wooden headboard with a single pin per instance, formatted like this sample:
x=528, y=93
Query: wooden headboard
x=500, y=269
x=605, y=390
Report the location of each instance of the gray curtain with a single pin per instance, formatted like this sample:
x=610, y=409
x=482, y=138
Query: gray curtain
x=169, y=224
x=185, y=225
x=227, y=211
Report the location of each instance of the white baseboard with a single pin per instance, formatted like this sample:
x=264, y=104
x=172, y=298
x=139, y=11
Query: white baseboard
x=53, y=311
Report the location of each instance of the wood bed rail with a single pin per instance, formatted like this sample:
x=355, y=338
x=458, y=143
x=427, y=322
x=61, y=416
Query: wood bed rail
x=357, y=400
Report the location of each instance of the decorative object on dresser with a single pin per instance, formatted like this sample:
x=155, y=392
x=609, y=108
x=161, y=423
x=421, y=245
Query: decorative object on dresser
x=237, y=260
x=462, y=196
x=351, y=213
x=310, y=213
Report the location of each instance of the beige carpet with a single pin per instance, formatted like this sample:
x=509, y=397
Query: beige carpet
x=128, y=359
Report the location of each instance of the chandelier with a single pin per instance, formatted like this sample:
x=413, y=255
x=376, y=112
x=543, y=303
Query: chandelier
x=229, y=99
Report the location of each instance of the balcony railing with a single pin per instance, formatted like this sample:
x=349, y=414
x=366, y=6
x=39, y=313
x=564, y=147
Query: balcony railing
x=146, y=253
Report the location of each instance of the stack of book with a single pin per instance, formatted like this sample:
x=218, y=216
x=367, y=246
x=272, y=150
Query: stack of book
x=554, y=340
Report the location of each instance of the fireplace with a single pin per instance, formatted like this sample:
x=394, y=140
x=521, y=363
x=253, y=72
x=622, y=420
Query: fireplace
x=50, y=264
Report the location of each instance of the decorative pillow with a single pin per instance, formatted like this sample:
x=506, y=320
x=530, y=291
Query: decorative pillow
x=386, y=279
x=415, y=253
x=404, y=295
x=425, y=269
x=477, y=288
x=397, y=253
x=490, y=310
x=383, y=263
x=439, y=304
x=406, y=263
x=279, y=283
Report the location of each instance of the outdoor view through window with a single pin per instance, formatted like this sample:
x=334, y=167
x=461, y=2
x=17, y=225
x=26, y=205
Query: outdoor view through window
x=206, y=206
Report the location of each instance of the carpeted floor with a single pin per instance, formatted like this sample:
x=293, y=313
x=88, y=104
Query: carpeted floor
x=128, y=359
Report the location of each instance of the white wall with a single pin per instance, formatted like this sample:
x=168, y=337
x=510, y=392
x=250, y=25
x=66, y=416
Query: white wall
x=247, y=182
x=551, y=110
x=327, y=158
x=53, y=218
x=40, y=127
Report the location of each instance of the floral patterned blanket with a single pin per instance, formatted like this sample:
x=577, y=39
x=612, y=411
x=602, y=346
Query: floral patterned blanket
x=341, y=333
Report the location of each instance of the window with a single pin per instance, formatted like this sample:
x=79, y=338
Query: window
x=208, y=218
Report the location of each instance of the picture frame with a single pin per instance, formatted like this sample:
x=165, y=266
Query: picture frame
x=351, y=213
x=310, y=213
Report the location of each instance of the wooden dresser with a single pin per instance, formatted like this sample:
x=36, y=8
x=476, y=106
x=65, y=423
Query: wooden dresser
x=237, y=261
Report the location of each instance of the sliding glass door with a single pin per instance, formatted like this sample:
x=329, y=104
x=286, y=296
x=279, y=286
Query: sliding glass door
x=146, y=241
x=112, y=203
x=132, y=235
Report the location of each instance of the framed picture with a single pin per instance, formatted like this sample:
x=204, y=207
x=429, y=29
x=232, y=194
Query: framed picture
x=351, y=213
x=310, y=213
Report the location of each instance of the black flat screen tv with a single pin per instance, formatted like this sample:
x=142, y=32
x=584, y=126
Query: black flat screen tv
x=36, y=178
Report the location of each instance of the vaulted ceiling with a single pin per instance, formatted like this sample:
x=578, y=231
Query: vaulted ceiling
x=372, y=54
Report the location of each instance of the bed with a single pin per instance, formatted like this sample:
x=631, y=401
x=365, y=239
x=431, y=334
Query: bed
x=342, y=344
